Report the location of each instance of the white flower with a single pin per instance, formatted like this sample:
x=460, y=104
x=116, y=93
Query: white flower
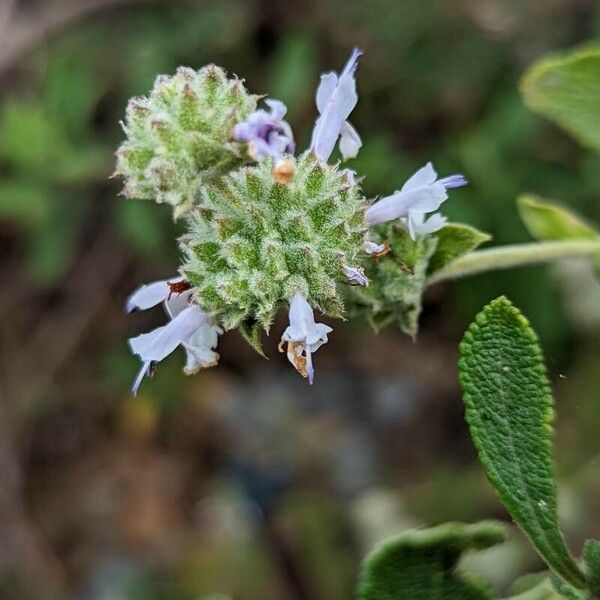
x=188, y=326
x=423, y=193
x=356, y=275
x=303, y=336
x=336, y=98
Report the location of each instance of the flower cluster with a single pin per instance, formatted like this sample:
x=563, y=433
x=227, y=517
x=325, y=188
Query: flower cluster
x=266, y=229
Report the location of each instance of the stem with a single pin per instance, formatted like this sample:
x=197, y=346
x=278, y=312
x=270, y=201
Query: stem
x=515, y=255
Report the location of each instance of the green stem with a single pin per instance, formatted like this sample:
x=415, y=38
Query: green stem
x=515, y=255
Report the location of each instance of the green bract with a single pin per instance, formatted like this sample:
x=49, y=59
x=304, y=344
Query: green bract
x=180, y=136
x=253, y=243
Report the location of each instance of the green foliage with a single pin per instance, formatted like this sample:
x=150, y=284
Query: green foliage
x=547, y=220
x=566, y=89
x=180, y=136
x=397, y=281
x=253, y=243
x=509, y=409
x=454, y=240
x=591, y=559
x=422, y=564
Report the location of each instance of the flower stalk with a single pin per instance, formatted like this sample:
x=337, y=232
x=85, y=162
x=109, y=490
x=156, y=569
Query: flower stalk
x=515, y=255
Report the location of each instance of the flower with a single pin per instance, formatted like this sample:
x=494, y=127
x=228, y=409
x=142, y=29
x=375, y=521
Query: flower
x=303, y=336
x=423, y=193
x=188, y=326
x=266, y=133
x=417, y=225
x=376, y=250
x=356, y=275
x=336, y=98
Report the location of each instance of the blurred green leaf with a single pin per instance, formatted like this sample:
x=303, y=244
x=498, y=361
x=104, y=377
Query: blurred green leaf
x=422, y=564
x=547, y=220
x=566, y=89
x=454, y=240
x=25, y=201
x=294, y=71
x=509, y=409
x=145, y=227
x=50, y=251
x=30, y=139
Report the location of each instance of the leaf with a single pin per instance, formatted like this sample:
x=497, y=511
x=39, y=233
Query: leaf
x=509, y=409
x=566, y=90
x=251, y=332
x=547, y=220
x=421, y=564
x=454, y=240
x=591, y=559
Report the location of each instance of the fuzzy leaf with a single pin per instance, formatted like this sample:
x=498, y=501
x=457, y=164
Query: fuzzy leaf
x=566, y=89
x=421, y=564
x=591, y=558
x=251, y=331
x=551, y=221
x=509, y=409
x=454, y=240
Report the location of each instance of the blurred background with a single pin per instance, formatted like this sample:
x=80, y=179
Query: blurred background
x=242, y=482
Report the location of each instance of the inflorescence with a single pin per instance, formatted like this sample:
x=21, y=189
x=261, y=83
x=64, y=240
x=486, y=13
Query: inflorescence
x=266, y=229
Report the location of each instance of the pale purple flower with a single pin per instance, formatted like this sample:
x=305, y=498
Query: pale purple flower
x=375, y=249
x=423, y=193
x=417, y=225
x=303, y=336
x=336, y=98
x=188, y=326
x=266, y=133
x=356, y=275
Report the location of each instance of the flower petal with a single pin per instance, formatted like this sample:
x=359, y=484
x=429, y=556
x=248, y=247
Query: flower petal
x=424, y=176
x=356, y=275
x=350, y=142
x=157, y=344
x=418, y=226
x=199, y=348
x=326, y=89
x=149, y=295
x=336, y=109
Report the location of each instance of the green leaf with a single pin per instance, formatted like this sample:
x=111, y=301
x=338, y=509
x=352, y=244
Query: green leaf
x=509, y=409
x=547, y=220
x=421, y=564
x=454, y=240
x=251, y=332
x=566, y=90
x=591, y=559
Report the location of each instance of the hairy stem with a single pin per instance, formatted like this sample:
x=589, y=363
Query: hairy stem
x=516, y=255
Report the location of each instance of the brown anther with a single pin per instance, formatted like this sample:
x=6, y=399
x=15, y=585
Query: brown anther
x=177, y=287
